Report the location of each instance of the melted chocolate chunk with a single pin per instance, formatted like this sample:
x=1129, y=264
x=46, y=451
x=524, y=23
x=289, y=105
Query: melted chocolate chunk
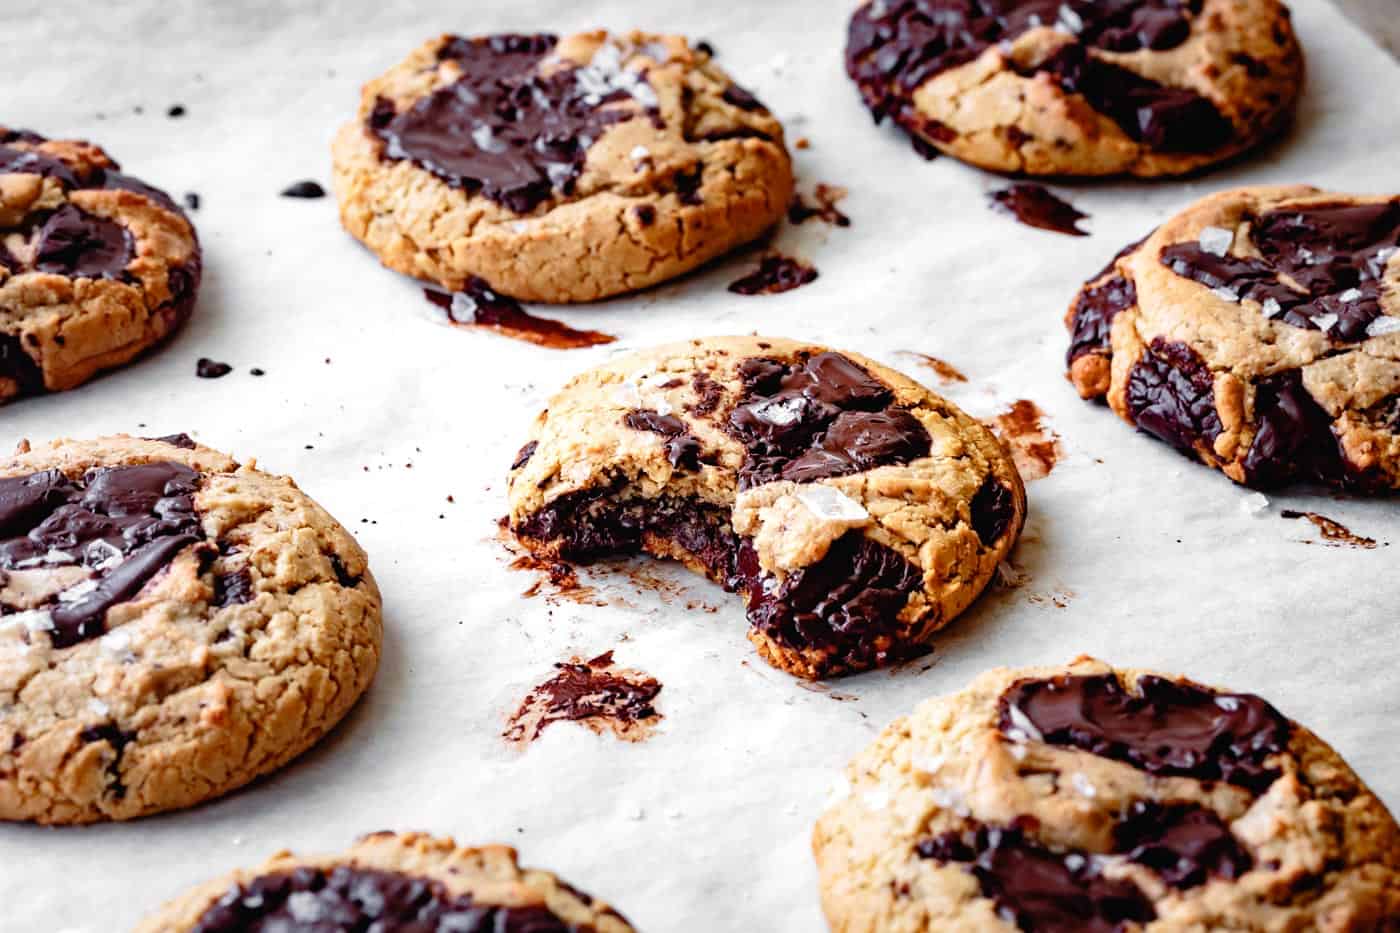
x=118, y=740
x=77, y=244
x=505, y=129
x=124, y=524
x=1168, y=727
x=479, y=305
x=741, y=98
x=682, y=447
x=819, y=417
x=233, y=589
x=18, y=366
x=1042, y=891
x=304, y=189
x=1092, y=321
x=1185, y=844
x=774, y=274
x=206, y=368
x=320, y=900
x=1034, y=206
x=183, y=441
x=1171, y=395
x=29, y=162
x=894, y=47
x=1333, y=256
x=992, y=509
x=524, y=455
x=586, y=691
x=1294, y=439
x=842, y=604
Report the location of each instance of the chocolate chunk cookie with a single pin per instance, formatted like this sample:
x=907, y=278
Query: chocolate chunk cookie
x=558, y=169
x=390, y=883
x=95, y=266
x=1258, y=331
x=1084, y=798
x=856, y=511
x=1079, y=87
x=172, y=625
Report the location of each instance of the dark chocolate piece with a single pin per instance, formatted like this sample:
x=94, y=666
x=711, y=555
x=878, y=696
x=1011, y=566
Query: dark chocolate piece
x=1171, y=395
x=29, y=162
x=1094, y=311
x=177, y=110
x=18, y=366
x=1185, y=844
x=1294, y=439
x=77, y=244
x=992, y=510
x=304, y=189
x=524, y=455
x=478, y=305
x=1034, y=206
x=125, y=524
x=817, y=417
x=1334, y=254
x=192, y=200
x=206, y=368
x=893, y=47
x=1040, y=890
x=682, y=447
x=504, y=129
x=741, y=98
x=1167, y=727
x=774, y=274
x=586, y=690
x=321, y=900
x=232, y=589
x=118, y=740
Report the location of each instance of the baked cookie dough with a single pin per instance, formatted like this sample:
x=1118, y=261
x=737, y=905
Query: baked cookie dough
x=558, y=169
x=1258, y=331
x=1084, y=798
x=95, y=266
x=390, y=883
x=172, y=625
x=1079, y=87
x=856, y=511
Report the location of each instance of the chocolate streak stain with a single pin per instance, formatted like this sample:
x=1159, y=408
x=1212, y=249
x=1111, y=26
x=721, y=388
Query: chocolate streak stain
x=596, y=693
x=1035, y=448
x=1334, y=533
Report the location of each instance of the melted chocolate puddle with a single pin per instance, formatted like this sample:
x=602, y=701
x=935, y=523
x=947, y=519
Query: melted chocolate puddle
x=774, y=274
x=945, y=371
x=1035, y=448
x=1334, y=533
x=479, y=306
x=596, y=693
x=825, y=210
x=1034, y=206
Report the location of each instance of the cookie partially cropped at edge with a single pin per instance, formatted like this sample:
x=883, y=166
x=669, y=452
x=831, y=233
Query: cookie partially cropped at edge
x=95, y=266
x=558, y=169
x=1079, y=87
x=1089, y=798
x=1258, y=331
x=856, y=511
x=172, y=625
x=390, y=882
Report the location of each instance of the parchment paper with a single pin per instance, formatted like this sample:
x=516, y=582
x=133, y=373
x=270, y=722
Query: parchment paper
x=705, y=826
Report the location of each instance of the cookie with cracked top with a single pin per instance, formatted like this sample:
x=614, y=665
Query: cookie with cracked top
x=390, y=883
x=558, y=169
x=172, y=626
x=1257, y=331
x=856, y=511
x=1088, y=798
x=1079, y=87
x=96, y=267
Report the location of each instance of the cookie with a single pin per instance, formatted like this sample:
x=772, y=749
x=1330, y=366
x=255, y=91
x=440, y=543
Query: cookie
x=1079, y=87
x=95, y=266
x=390, y=883
x=856, y=511
x=172, y=625
x=558, y=169
x=1091, y=799
x=1258, y=331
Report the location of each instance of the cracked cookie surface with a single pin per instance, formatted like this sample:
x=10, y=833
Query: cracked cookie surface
x=1084, y=87
x=172, y=625
x=856, y=511
x=1258, y=331
x=558, y=169
x=391, y=883
x=1092, y=799
x=95, y=266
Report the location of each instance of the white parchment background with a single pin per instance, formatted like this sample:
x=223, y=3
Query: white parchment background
x=1154, y=557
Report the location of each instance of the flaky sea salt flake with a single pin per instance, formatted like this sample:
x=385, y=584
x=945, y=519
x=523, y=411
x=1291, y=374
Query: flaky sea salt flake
x=830, y=504
x=1216, y=240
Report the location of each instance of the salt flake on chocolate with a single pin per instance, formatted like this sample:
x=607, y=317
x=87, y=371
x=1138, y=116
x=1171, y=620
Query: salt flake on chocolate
x=1216, y=240
x=1023, y=723
x=1325, y=322
x=1383, y=325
